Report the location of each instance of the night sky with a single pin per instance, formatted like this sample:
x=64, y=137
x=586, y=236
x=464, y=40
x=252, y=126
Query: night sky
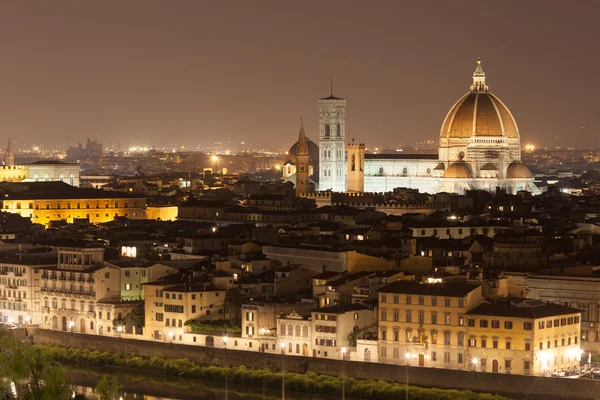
x=188, y=72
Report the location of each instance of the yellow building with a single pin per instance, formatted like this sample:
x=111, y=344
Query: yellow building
x=424, y=324
x=532, y=338
x=162, y=213
x=53, y=201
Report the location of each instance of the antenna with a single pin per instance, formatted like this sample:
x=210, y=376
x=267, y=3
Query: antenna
x=331, y=84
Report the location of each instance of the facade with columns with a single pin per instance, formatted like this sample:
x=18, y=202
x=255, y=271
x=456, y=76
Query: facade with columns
x=479, y=149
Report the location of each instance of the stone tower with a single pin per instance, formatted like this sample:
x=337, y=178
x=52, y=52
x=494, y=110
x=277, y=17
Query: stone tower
x=356, y=167
x=332, y=134
x=9, y=159
x=302, y=164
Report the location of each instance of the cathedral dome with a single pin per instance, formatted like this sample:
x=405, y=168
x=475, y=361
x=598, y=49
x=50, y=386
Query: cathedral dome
x=313, y=152
x=517, y=170
x=459, y=169
x=479, y=113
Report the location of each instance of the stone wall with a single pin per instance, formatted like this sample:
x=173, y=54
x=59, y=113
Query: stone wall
x=514, y=386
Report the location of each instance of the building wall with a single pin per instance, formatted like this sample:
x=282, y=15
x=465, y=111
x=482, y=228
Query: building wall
x=69, y=298
x=163, y=213
x=97, y=210
x=63, y=172
x=439, y=340
x=19, y=295
x=13, y=173
x=517, y=350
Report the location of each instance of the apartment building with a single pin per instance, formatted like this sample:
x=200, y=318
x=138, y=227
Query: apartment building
x=530, y=337
x=71, y=289
x=174, y=299
x=20, y=287
x=332, y=325
x=425, y=323
x=133, y=278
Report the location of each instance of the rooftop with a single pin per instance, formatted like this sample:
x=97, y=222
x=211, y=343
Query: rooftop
x=447, y=289
x=530, y=309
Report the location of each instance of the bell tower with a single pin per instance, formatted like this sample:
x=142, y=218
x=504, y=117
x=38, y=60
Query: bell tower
x=356, y=167
x=332, y=135
x=10, y=155
x=302, y=163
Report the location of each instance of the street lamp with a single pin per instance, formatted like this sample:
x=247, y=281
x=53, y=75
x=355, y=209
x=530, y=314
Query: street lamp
x=344, y=350
x=474, y=361
x=282, y=346
x=171, y=334
x=407, y=355
x=120, y=329
x=71, y=326
x=225, y=339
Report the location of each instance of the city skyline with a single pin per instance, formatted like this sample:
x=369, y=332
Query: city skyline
x=135, y=73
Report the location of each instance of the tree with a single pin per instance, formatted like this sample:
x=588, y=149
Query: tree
x=233, y=302
x=134, y=321
x=108, y=388
x=29, y=373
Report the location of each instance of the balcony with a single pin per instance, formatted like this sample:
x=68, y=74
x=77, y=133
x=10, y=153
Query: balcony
x=72, y=279
x=69, y=291
x=90, y=280
x=12, y=286
x=62, y=278
x=45, y=276
x=81, y=279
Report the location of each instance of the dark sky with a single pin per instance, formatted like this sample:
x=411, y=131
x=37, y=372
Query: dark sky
x=161, y=72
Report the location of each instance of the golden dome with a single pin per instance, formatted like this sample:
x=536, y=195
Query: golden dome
x=479, y=113
x=517, y=170
x=459, y=169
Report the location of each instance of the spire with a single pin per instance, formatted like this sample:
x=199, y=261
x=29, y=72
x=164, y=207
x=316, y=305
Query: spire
x=331, y=82
x=479, y=79
x=302, y=147
x=9, y=148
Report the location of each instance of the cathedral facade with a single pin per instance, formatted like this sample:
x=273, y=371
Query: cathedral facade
x=479, y=149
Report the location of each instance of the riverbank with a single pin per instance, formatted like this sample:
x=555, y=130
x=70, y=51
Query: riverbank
x=309, y=382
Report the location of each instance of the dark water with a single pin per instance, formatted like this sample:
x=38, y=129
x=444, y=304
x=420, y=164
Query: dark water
x=151, y=386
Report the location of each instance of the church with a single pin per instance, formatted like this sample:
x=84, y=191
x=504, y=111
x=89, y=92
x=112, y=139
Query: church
x=479, y=149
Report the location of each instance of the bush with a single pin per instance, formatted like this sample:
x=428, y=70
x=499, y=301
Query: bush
x=309, y=382
x=219, y=326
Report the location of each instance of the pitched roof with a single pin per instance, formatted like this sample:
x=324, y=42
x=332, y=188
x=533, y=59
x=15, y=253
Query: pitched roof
x=447, y=289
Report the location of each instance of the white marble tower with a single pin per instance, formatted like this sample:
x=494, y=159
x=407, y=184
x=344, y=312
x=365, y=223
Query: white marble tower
x=332, y=134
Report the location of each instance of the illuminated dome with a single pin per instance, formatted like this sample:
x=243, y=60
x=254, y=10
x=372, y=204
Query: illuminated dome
x=459, y=169
x=517, y=170
x=479, y=113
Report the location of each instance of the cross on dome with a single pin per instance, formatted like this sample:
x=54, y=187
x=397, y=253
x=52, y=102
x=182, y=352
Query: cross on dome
x=479, y=79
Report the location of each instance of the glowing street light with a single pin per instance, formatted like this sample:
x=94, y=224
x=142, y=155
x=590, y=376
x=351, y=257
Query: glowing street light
x=344, y=350
x=407, y=356
x=214, y=159
x=71, y=326
x=225, y=339
x=282, y=346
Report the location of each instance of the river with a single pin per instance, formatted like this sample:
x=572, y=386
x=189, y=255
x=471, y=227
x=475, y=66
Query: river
x=153, y=386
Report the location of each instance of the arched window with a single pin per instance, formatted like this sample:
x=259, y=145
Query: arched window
x=71, y=179
x=353, y=162
x=282, y=329
x=290, y=330
x=298, y=330
x=36, y=177
x=367, y=355
x=47, y=177
x=297, y=348
x=61, y=177
x=305, y=331
x=72, y=304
